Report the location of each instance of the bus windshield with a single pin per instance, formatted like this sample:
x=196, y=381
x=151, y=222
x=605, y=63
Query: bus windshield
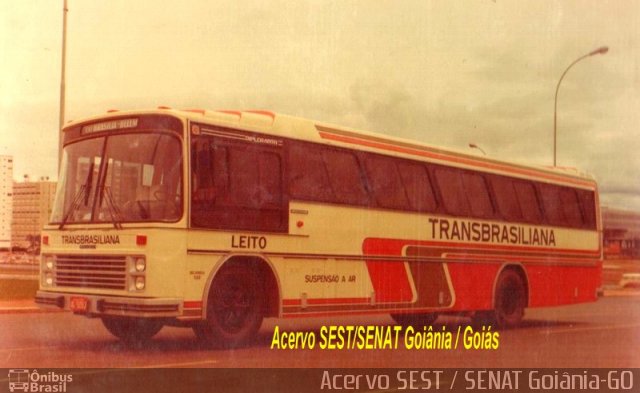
x=133, y=177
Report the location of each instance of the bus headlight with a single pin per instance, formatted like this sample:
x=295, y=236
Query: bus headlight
x=48, y=278
x=140, y=264
x=137, y=271
x=49, y=262
x=140, y=283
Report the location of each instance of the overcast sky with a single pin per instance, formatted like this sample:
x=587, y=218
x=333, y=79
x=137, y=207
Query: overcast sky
x=445, y=73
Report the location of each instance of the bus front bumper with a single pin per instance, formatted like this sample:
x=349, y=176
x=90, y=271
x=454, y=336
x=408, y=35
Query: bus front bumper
x=98, y=305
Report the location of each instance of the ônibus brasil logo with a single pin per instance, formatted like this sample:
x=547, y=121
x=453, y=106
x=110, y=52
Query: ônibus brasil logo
x=32, y=381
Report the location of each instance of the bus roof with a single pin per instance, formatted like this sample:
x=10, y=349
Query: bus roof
x=292, y=127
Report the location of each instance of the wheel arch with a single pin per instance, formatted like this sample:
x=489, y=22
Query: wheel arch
x=264, y=268
x=521, y=271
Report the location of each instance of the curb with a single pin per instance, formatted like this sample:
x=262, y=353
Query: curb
x=26, y=310
x=23, y=306
x=621, y=292
x=19, y=310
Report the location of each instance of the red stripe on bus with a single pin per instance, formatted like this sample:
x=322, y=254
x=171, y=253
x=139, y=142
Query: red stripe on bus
x=306, y=314
x=231, y=112
x=421, y=153
x=262, y=112
x=390, y=281
x=500, y=258
x=381, y=246
x=200, y=111
x=319, y=301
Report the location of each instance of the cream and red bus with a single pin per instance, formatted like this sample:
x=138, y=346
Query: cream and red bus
x=217, y=219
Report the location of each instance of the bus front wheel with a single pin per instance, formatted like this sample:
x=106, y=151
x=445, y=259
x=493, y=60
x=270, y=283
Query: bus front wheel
x=234, y=308
x=132, y=330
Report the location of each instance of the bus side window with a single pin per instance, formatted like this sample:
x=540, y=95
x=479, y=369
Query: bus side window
x=345, y=177
x=203, y=182
x=452, y=189
x=552, y=204
x=477, y=195
x=200, y=168
x=587, y=202
x=244, y=186
x=417, y=185
x=529, y=204
x=219, y=172
x=251, y=178
x=308, y=177
x=570, y=207
x=506, y=198
x=386, y=188
x=269, y=173
x=237, y=186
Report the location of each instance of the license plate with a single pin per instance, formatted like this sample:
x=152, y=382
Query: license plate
x=79, y=304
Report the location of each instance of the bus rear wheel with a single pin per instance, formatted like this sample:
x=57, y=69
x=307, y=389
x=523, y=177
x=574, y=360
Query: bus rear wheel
x=415, y=319
x=234, y=308
x=132, y=330
x=509, y=302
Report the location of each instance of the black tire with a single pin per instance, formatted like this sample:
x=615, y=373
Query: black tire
x=234, y=308
x=415, y=320
x=509, y=302
x=132, y=330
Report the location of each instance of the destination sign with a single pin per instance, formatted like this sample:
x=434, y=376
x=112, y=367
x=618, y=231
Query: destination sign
x=110, y=125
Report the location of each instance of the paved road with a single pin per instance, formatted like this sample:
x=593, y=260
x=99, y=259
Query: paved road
x=601, y=334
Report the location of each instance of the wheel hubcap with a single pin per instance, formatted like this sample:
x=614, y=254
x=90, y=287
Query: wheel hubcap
x=232, y=305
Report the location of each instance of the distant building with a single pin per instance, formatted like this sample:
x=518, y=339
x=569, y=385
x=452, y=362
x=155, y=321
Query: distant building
x=621, y=235
x=32, y=205
x=6, y=210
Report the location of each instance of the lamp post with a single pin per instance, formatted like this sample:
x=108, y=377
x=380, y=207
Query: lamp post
x=65, y=10
x=600, y=51
x=474, y=146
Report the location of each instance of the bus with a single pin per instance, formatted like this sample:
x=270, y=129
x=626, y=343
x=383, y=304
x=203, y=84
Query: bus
x=215, y=220
x=18, y=380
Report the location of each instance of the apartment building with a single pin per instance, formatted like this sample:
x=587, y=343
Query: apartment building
x=32, y=205
x=6, y=210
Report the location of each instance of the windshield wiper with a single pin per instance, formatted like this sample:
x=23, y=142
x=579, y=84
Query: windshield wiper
x=83, y=193
x=75, y=204
x=114, y=211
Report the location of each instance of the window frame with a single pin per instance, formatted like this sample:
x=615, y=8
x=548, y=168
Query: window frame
x=273, y=218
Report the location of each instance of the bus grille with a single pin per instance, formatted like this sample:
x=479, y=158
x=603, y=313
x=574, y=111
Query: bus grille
x=91, y=271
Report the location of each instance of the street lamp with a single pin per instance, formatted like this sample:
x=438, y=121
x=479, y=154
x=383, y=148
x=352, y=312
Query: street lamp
x=474, y=146
x=600, y=51
x=65, y=10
